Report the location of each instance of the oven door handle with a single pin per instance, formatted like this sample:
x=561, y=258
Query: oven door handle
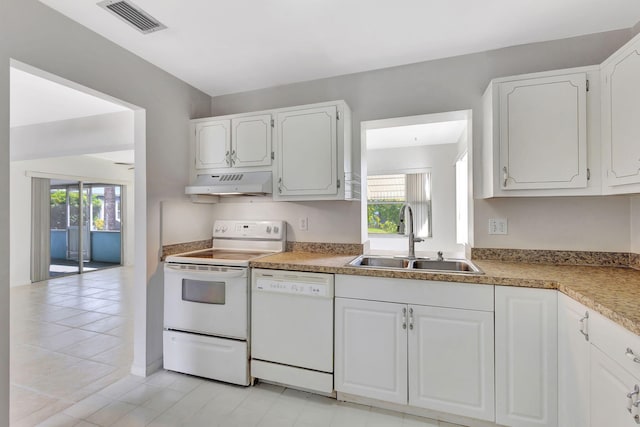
x=229, y=272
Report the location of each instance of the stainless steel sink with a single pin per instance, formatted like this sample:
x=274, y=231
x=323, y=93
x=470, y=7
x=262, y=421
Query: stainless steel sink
x=422, y=264
x=383, y=262
x=457, y=265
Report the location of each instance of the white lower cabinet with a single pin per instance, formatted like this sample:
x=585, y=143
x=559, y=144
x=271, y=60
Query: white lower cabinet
x=526, y=339
x=436, y=358
x=612, y=393
x=573, y=363
x=614, y=374
x=371, y=349
x=451, y=361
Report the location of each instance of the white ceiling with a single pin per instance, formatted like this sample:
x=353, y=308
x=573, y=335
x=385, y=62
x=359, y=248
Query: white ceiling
x=34, y=100
x=415, y=135
x=228, y=46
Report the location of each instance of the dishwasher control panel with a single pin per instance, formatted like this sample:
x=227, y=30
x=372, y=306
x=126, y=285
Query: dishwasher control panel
x=291, y=287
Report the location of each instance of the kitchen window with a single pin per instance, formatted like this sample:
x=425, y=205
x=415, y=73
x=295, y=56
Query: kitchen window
x=387, y=193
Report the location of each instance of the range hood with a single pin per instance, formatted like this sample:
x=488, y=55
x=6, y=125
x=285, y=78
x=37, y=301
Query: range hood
x=237, y=183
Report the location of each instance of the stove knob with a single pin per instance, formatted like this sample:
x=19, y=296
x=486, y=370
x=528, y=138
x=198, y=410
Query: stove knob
x=275, y=229
x=268, y=229
x=224, y=228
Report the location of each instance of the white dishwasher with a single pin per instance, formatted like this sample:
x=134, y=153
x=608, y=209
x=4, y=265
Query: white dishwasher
x=292, y=328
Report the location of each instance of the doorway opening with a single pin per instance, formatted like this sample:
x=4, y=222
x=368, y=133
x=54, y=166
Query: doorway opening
x=72, y=173
x=422, y=161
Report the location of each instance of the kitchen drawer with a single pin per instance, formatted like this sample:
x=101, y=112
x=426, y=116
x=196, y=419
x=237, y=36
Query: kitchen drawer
x=616, y=342
x=419, y=292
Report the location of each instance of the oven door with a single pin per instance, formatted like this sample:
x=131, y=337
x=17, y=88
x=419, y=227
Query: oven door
x=206, y=299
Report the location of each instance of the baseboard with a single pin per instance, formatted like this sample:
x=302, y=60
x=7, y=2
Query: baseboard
x=419, y=412
x=145, y=371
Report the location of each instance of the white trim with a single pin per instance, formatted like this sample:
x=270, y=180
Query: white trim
x=421, y=119
x=85, y=179
x=68, y=83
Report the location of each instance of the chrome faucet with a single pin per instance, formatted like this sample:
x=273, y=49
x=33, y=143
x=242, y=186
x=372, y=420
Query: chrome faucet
x=412, y=238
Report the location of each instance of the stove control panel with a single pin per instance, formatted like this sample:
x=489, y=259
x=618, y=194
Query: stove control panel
x=233, y=229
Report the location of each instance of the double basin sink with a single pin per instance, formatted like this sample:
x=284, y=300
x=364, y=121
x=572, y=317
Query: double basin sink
x=417, y=264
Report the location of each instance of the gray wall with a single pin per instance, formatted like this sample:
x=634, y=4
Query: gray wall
x=36, y=35
x=458, y=84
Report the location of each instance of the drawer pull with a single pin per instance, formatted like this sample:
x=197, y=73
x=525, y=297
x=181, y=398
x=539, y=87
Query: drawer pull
x=631, y=355
x=635, y=392
x=582, y=326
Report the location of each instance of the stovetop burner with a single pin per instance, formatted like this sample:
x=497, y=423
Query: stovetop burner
x=224, y=254
x=235, y=243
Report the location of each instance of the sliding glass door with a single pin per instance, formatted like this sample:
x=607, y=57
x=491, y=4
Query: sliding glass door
x=85, y=227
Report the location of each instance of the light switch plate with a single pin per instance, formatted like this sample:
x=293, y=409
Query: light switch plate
x=498, y=226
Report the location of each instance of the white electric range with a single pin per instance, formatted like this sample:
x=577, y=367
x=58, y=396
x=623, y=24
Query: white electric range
x=206, y=300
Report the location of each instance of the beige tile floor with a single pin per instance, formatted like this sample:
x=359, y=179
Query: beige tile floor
x=71, y=349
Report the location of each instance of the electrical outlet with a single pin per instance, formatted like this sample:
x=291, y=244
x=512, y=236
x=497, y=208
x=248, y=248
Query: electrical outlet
x=303, y=224
x=498, y=226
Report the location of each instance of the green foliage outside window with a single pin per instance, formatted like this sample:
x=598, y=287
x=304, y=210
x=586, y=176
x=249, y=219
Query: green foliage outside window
x=59, y=207
x=383, y=217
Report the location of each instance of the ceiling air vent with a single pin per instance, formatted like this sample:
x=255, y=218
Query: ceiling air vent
x=133, y=15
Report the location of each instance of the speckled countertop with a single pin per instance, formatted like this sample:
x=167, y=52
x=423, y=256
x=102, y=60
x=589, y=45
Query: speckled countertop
x=612, y=291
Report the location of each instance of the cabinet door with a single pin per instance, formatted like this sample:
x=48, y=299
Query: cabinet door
x=251, y=141
x=610, y=384
x=371, y=349
x=307, y=152
x=573, y=363
x=543, y=133
x=526, y=357
x=451, y=361
x=212, y=144
x=621, y=117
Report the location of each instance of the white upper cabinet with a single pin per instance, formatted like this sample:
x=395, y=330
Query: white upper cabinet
x=541, y=134
x=621, y=119
x=308, y=152
x=236, y=142
x=212, y=144
x=313, y=153
x=311, y=145
x=251, y=138
x=543, y=138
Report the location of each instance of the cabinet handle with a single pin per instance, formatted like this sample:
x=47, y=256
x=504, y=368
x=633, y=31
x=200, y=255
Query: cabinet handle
x=504, y=176
x=635, y=392
x=280, y=185
x=582, y=325
x=227, y=158
x=411, y=318
x=636, y=417
x=404, y=318
x=233, y=157
x=631, y=355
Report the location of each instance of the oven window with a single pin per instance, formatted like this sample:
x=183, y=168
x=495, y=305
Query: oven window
x=206, y=292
